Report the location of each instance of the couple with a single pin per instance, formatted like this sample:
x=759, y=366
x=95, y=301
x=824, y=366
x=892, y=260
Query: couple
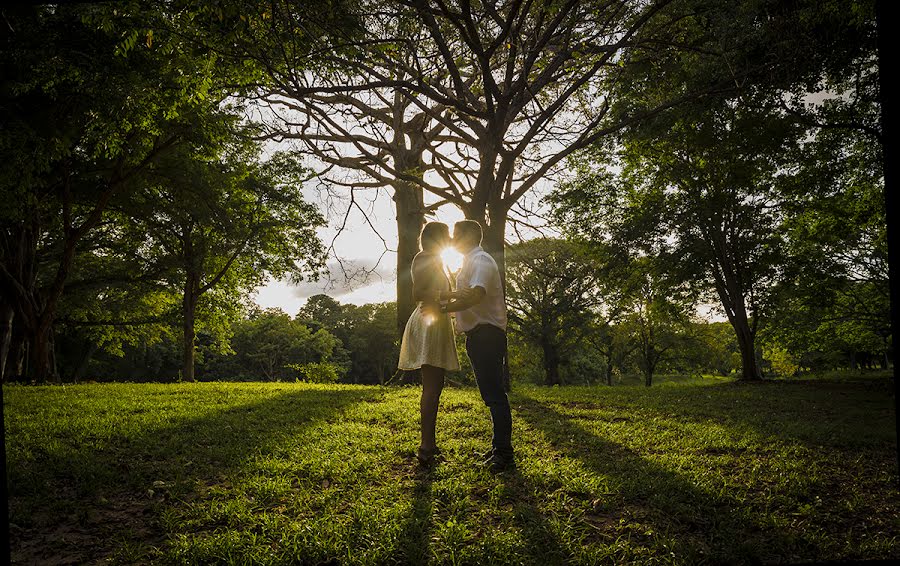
x=480, y=312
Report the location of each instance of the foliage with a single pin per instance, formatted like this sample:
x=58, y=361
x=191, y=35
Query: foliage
x=833, y=303
x=269, y=345
x=553, y=292
x=782, y=362
x=93, y=95
x=220, y=224
x=367, y=333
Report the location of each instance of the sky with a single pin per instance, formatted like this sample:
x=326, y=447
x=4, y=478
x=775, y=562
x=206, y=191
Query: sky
x=366, y=272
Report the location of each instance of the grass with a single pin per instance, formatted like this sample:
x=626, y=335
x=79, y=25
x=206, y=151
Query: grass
x=690, y=472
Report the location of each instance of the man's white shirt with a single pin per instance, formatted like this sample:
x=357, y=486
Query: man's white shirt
x=480, y=270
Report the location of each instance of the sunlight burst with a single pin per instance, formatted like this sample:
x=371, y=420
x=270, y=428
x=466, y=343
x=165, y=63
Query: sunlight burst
x=452, y=259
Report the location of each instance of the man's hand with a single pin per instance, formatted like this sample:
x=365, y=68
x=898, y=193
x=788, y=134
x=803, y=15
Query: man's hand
x=465, y=298
x=474, y=295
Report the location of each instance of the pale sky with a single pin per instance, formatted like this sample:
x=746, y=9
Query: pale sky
x=370, y=267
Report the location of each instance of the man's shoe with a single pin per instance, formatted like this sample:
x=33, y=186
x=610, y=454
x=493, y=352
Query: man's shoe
x=499, y=463
x=482, y=456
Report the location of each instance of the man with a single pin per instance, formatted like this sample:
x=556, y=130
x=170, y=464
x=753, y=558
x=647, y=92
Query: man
x=481, y=314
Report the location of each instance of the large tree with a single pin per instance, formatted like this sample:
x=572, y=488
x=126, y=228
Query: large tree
x=705, y=199
x=707, y=173
x=488, y=98
x=91, y=98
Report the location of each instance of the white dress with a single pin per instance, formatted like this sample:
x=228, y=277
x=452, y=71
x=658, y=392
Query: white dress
x=428, y=340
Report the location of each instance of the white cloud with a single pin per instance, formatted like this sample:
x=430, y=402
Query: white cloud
x=347, y=276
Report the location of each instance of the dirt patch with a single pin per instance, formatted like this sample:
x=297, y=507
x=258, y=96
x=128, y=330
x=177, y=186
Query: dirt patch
x=87, y=535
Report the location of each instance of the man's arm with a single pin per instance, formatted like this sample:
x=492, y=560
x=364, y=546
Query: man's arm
x=465, y=299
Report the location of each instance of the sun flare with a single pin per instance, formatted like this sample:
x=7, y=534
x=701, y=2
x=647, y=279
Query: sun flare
x=452, y=259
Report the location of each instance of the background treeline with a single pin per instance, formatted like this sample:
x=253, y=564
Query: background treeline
x=325, y=342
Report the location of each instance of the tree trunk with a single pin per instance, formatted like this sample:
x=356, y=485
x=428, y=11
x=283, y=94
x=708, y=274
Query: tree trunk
x=746, y=344
x=551, y=364
x=6, y=330
x=651, y=358
x=189, y=310
x=89, y=352
x=15, y=360
x=495, y=238
x=40, y=351
x=410, y=204
x=609, y=369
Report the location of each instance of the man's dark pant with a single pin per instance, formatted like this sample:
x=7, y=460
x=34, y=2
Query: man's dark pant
x=486, y=347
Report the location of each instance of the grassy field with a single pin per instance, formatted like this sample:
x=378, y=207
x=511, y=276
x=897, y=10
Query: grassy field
x=707, y=471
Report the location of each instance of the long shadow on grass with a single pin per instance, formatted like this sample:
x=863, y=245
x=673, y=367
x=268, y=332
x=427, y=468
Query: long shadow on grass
x=415, y=533
x=119, y=486
x=662, y=510
x=542, y=543
x=517, y=496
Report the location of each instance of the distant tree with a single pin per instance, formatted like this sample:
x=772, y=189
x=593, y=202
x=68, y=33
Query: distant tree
x=367, y=333
x=709, y=347
x=372, y=342
x=552, y=295
x=270, y=346
x=322, y=311
x=656, y=316
x=609, y=337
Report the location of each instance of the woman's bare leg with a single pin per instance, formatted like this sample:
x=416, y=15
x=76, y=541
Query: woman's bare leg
x=432, y=385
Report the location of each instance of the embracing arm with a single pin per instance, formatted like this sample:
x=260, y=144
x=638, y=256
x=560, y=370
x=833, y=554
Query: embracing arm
x=465, y=299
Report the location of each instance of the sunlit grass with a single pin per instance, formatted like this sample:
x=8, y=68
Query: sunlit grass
x=709, y=472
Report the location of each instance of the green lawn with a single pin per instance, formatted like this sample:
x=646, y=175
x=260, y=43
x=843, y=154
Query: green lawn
x=704, y=471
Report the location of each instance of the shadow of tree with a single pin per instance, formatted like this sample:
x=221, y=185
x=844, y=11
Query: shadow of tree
x=657, y=508
x=851, y=413
x=542, y=542
x=89, y=493
x=516, y=495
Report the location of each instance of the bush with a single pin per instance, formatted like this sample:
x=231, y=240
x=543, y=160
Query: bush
x=784, y=364
x=324, y=372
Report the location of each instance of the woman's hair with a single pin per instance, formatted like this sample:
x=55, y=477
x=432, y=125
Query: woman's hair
x=433, y=236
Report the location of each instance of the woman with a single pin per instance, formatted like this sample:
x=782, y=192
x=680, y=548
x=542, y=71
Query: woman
x=428, y=341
